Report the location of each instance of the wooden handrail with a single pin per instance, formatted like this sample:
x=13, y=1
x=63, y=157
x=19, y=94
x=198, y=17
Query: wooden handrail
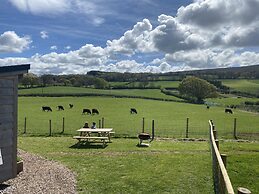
x=223, y=170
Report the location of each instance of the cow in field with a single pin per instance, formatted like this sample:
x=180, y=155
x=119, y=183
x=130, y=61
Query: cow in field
x=60, y=108
x=208, y=107
x=95, y=111
x=46, y=108
x=228, y=110
x=87, y=111
x=71, y=105
x=133, y=111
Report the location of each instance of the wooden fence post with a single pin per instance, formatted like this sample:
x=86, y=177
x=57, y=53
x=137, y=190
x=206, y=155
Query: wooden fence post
x=143, y=125
x=63, y=125
x=217, y=143
x=235, y=128
x=153, y=129
x=49, y=127
x=187, y=128
x=25, y=125
x=99, y=123
x=222, y=185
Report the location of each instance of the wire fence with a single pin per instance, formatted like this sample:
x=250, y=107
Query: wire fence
x=180, y=128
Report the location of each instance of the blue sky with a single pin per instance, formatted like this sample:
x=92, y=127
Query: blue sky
x=76, y=36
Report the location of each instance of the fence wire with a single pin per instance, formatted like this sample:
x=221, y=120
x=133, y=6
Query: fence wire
x=132, y=126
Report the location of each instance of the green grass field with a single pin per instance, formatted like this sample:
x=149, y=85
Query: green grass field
x=243, y=85
x=149, y=93
x=163, y=84
x=165, y=167
x=170, y=117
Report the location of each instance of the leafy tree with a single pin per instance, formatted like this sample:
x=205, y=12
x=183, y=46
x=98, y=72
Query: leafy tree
x=30, y=79
x=100, y=83
x=197, y=89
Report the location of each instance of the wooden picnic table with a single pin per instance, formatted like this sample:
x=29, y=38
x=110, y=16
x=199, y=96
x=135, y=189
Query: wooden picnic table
x=87, y=134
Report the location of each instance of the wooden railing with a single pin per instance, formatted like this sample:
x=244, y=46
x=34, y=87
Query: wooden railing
x=221, y=181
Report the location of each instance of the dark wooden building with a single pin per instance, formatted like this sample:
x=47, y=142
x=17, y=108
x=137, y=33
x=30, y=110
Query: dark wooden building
x=8, y=119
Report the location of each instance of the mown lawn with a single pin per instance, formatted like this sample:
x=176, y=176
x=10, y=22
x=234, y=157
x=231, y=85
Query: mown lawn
x=122, y=167
x=165, y=167
x=170, y=117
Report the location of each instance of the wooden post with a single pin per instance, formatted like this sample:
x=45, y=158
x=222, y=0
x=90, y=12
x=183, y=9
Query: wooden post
x=217, y=143
x=102, y=122
x=49, y=127
x=143, y=125
x=63, y=125
x=25, y=125
x=153, y=129
x=187, y=128
x=241, y=190
x=235, y=128
x=215, y=134
x=99, y=123
x=222, y=185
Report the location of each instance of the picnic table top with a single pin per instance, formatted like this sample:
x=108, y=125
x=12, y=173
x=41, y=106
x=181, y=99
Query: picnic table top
x=95, y=130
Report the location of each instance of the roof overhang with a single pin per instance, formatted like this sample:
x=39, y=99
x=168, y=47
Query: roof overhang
x=14, y=70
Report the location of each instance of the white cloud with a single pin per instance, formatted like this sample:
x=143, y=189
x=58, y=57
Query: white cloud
x=204, y=34
x=135, y=40
x=54, y=47
x=11, y=42
x=39, y=7
x=44, y=34
x=93, y=10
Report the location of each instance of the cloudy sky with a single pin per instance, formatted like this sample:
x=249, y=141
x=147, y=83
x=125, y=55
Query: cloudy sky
x=76, y=36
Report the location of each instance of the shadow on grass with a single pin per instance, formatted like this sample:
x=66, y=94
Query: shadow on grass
x=87, y=145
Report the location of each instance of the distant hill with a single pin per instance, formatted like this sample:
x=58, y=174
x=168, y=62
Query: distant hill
x=247, y=72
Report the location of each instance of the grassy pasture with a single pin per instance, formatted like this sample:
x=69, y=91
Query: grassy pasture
x=165, y=167
x=243, y=85
x=231, y=100
x=170, y=117
x=151, y=93
x=163, y=84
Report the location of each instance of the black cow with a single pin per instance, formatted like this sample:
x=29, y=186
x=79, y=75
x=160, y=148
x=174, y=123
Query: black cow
x=208, y=107
x=46, y=108
x=87, y=111
x=227, y=110
x=60, y=107
x=95, y=111
x=71, y=105
x=133, y=111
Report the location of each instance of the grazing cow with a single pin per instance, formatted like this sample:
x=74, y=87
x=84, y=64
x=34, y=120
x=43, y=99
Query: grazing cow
x=208, y=107
x=227, y=110
x=46, y=108
x=133, y=111
x=95, y=111
x=71, y=105
x=60, y=107
x=87, y=111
